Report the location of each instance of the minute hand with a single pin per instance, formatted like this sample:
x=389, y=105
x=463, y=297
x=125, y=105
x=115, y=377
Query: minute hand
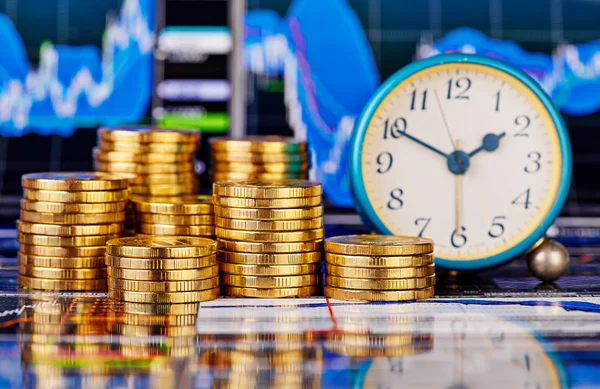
x=419, y=141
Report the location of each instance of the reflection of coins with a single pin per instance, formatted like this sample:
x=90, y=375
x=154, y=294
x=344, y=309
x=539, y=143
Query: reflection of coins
x=379, y=261
x=377, y=295
x=270, y=282
x=184, y=205
x=59, y=262
x=69, y=230
x=239, y=202
x=163, y=286
x=76, y=197
x=159, y=309
x=88, y=181
x=253, y=143
x=270, y=259
x=64, y=241
x=161, y=263
x=378, y=245
x=143, y=330
x=269, y=214
x=378, y=341
x=148, y=320
x=162, y=298
x=174, y=230
x=270, y=225
x=39, y=283
x=258, y=247
x=366, y=352
x=53, y=251
x=179, y=220
x=49, y=207
x=171, y=275
x=269, y=270
x=72, y=218
x=62, y=274
x=161, y=247
x=406, y=272
x=270, y=236
x=380, y=283
x=258, y=189
x=304, y=291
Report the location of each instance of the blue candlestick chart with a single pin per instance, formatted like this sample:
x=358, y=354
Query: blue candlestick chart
x=78, y=86
x=329, y=72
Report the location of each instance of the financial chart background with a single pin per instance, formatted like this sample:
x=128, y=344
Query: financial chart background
x=359, y=44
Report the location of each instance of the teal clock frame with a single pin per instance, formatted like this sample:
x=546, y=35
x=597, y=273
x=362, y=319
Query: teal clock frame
x=366, y=210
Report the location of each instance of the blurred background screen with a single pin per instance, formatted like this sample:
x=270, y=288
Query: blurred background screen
x=69, y=66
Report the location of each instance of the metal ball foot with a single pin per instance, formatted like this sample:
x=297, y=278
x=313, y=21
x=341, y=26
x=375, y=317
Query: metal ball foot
x=548, y=261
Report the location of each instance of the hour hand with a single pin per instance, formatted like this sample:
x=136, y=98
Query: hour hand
x=489, y=143
x=424, y=144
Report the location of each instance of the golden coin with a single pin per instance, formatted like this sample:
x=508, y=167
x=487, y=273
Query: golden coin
x=270, y=282
x=163, y=179
x=164, y=298
x=65, y=241
x=151, y=320
x=122, y=156
x=144, y=331
x=138, y=168
x=161, y=247
x=378, y=295
x=380, y=283
x=162, y=263
x=257, y=189
x=40, y=283
x=163, y=286
x=267, y=203
x=60, y=263
x=270, y=236
x=270, y=259
x=164, y=275
x=159, y=309
x=62, y=274
x=304, y=291
x=169, y=230
x=184, y=205
x=379, y=261
x=54, y=251
x=253, y=143
x=378, y=273
x=278, y=247
x=76, y=197
x=239, y=176
x=269, y=270
x=269, y=214
x=227, y=156
x=71, y=181
x=47, y=207
x=249, y=167
x=137, y=134
x=180, y=220
x=270, y=225
x=165, y=190
x=130, y=147
x=72, y=218
x=378, y=245
x=69, y=230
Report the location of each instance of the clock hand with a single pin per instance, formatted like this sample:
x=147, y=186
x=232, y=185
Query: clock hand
x=489, y=143
x=423, y=144
x=458, y=193
x=437, y=99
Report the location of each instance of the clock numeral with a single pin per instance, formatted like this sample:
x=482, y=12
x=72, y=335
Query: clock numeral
x=425, y=221
x=458, y=238
x=523, y=199
x=497, y=101
x=384, y=160
x=525, y=364
x=414, y=102
x=462, y=85
x=522, y=121
x=395, y=201
x=396, y=365
x=535, y=165
x=497, y=228
x=396, y=130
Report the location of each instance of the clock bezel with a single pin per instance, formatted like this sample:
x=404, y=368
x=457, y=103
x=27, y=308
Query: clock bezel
x=366, y=210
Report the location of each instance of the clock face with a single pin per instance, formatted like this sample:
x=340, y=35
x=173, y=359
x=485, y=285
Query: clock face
x=462, y=153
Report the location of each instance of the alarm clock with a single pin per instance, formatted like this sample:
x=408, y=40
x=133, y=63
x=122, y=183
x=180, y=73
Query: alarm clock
x=470, y=152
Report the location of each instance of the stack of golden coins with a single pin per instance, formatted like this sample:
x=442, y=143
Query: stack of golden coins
x=162, y=270
x=270, y=236
x=379, y=268
x=66, y=220
x=258, y=157
x=190, y=215
x=162, y=160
